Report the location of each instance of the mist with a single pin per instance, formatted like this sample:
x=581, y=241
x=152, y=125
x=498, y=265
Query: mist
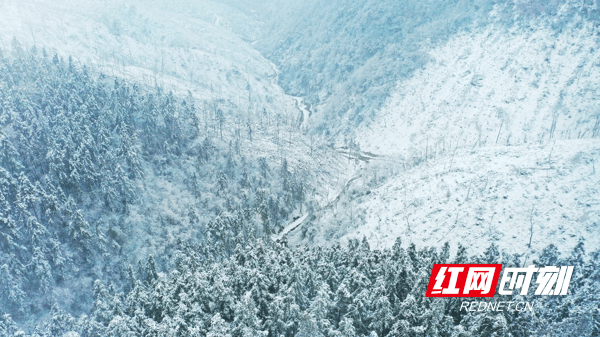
x=292, y=168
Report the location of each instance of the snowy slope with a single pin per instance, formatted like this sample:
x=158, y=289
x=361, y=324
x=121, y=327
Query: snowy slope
x=495, y=139
x=486, y=195
x=494, y=87
x=204, y=49
x=197, y=50
x=495, y=90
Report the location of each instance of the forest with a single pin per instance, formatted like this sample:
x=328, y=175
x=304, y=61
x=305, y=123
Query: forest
x=346, y=57
x=149, y=180
x=78, y=157
x=270, y=289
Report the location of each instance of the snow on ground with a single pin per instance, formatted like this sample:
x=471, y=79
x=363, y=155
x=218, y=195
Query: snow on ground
x=294, y=225
x=204, y=51
x=494, y=87
x=495, y=140
x=500, y=194
x=152, y=43
x=462, y=151
x=305, y=112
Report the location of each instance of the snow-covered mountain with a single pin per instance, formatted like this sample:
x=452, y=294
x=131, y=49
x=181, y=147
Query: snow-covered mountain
x=494, y=87
x=219, y=129
x=223, y=169
x=345, y=57
x=494, y=140
x=203, y=49
x=178, y=45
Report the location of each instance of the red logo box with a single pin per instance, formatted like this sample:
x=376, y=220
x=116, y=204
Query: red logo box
x=463, y=280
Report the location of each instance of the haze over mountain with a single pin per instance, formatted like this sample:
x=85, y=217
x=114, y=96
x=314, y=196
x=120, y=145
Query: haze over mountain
x=143, y=143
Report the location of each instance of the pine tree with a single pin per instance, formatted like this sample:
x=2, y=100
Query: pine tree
x=218, y=327
x=347, y=327
x=246, y=323
x=382, y=312
x=151, y=273
x=8, y=327
x=222, y=183
x=80, y=231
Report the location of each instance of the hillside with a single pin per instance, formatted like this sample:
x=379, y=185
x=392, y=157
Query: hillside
x=345, y=57
x=502, y=195
x=109, y=158
x=494, y=87
x=494, y=140
x=167, y=43
x=284, y=168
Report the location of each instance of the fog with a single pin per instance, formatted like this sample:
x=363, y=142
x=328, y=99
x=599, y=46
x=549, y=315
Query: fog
x=283, y=168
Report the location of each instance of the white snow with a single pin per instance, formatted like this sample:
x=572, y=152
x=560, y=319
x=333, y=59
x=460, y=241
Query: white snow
x=203, y=50
x=290, y=227
x=152, y=44
x=304, y=110
x=493, y=87
x=495, y=114
x=493, y=141
x=480, y=196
